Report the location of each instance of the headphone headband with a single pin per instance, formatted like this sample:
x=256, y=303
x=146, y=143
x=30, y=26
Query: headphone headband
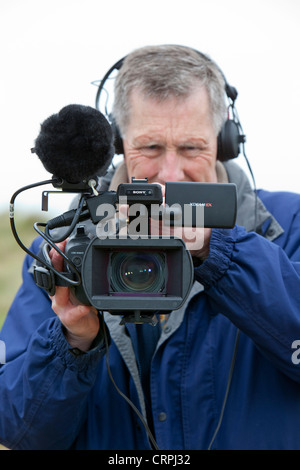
x=116, y=66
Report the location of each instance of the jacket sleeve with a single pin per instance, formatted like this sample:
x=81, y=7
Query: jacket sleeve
x=253, y=282
x=43, y=385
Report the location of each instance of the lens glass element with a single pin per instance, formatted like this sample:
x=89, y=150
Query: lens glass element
x=137, y=272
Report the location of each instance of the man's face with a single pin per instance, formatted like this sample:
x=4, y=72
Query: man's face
x=172, y=140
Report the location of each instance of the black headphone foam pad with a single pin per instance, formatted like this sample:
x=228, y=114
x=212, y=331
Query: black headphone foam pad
x=228, y=141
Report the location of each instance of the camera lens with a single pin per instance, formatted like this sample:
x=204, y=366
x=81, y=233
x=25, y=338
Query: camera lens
x=137, y=272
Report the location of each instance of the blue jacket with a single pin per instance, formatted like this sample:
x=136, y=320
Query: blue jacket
x=53, y=399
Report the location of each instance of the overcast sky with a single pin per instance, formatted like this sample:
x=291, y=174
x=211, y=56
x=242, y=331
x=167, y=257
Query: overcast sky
x=51, y=51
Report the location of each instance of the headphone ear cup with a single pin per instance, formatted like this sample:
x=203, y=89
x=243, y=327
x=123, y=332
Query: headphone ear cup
x=118, y=142
x=229, y=140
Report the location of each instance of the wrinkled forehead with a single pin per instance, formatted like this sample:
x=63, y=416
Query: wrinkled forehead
x=190, y=107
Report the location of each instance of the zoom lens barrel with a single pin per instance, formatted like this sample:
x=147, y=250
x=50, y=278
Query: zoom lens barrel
x=138, y=272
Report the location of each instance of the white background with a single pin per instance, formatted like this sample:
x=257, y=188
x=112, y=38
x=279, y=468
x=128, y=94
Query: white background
x=51, y=51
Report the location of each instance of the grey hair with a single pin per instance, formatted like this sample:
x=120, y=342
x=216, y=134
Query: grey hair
x=161, y=72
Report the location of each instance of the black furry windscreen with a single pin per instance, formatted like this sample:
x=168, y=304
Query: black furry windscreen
x=75, y=143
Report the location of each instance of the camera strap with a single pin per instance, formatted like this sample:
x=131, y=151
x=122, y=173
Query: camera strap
x=48, y=280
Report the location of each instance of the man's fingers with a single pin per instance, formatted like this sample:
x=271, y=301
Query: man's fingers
x=56, y=259
x=61, y=297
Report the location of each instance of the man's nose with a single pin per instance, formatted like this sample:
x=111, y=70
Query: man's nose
x=171, y=168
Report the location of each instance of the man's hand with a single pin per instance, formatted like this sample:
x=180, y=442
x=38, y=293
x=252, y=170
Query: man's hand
x=81, y=321
x=196, y=239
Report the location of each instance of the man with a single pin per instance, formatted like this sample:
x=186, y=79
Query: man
x=222, y=373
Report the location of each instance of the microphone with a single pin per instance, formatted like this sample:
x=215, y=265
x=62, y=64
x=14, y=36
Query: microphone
x=75, y=144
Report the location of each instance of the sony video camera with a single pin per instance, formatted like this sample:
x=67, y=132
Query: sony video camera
x=118, y=264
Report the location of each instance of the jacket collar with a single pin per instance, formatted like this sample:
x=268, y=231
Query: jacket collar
x=251, y=211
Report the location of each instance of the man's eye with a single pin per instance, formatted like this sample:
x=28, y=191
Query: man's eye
x=191, y=151
x=152, y=149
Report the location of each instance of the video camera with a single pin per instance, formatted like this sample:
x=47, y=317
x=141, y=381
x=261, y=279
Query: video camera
x=118, y=264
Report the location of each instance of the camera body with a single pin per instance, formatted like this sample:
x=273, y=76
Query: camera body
x=120, y=264
x=135, y=272
x=134, y=278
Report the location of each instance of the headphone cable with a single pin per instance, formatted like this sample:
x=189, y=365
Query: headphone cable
x=229, y=380
x=236, y=119
x=135, y=409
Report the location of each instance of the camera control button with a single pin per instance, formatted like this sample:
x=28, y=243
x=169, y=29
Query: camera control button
x=77, y=260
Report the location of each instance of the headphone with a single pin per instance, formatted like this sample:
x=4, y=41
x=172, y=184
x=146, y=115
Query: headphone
x=230, y=136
